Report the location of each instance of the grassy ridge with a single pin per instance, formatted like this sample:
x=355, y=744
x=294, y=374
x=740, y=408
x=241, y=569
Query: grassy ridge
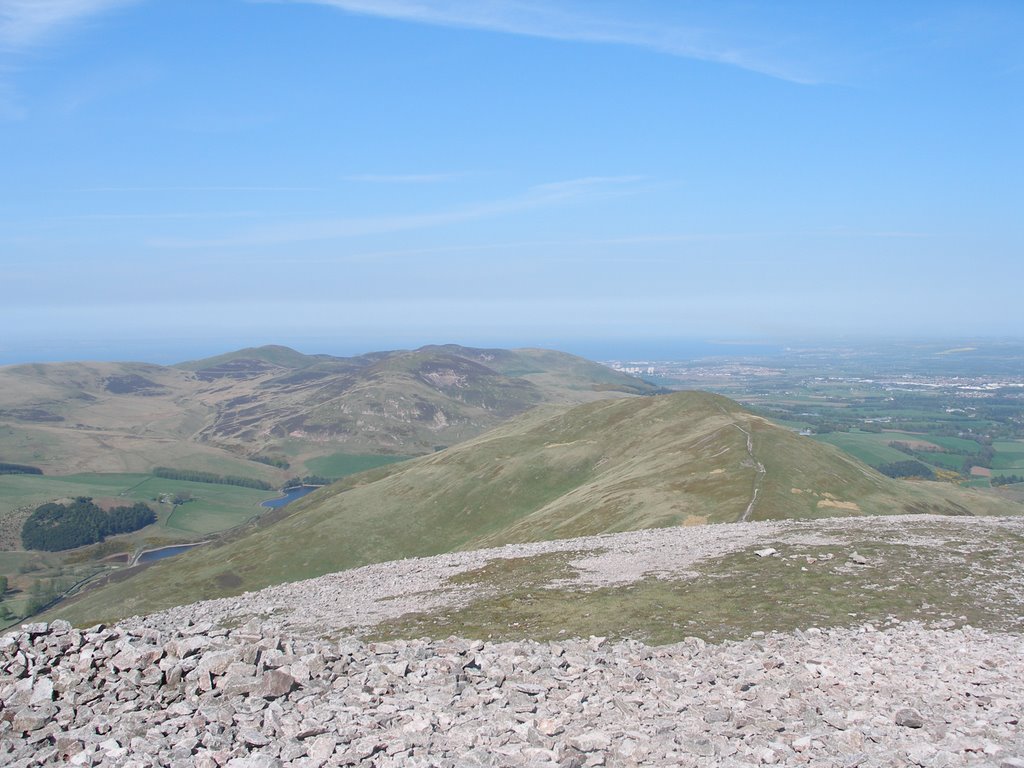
x=601, y=467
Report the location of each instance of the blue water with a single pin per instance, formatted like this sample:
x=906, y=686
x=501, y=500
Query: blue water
x=159, y=554
x=289, y=496
x=669, y=350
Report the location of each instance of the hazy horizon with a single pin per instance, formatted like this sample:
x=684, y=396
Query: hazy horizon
x=172, y=351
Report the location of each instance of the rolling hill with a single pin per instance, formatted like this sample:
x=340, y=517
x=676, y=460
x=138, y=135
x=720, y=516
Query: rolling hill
x=223, y=411
x=608, y=466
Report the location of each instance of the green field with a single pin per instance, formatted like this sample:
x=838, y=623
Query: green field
x=969, y=407
x=533, y=597
x=865, y=446
x=950, y=461
x=1009, y=457
x=340, y=465
x=213, y=508
x=873, y=448
x=21, y=490
x=951, y=443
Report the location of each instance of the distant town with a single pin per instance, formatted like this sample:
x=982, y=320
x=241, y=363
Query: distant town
x=932, y=412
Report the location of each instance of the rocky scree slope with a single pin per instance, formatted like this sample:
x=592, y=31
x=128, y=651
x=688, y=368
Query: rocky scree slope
x=270, y=679
x=250, y=697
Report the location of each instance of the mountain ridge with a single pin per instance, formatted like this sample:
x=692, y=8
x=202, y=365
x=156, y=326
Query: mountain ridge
x=551, y=474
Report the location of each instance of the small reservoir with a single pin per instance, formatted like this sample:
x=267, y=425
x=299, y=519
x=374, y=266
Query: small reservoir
x=152, y=555
x=289, y=496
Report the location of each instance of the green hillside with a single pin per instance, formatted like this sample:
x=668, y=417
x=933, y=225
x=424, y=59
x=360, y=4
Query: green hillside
x=274, y=354
x=614, y=465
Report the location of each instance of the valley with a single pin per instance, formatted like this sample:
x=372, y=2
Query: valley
x=206, y=442
x=685, y=459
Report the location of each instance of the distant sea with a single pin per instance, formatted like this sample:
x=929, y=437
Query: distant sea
x=136, y=351
x=169, y=351
x=668, y=350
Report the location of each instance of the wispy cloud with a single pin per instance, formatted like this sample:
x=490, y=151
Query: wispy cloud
x=28, y=23
x=190, y=216
x=402, y=178
x=593, y=250
x=540, y=196
x=201, y=189
x=559, y=21
x=24, y=23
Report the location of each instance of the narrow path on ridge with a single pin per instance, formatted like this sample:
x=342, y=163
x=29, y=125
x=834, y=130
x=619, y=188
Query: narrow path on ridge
x=761, y=472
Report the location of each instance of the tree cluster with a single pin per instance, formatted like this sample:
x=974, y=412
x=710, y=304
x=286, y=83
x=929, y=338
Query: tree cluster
x=272, y=461
x=18, y=469
x=54, y=527
x=907, y=469
x=1007, y=479
x=197, y=476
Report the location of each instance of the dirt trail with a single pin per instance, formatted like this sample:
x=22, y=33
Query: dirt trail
x=761, y=472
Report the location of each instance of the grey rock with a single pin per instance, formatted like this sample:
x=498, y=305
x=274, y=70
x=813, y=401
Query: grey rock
x=42, y=691
x=253, y=738
x=592, y=741
x=274, y=684
x=321, y=748
x=216, y=662
x=26, y=720
x=909, y=718
x=921, y=754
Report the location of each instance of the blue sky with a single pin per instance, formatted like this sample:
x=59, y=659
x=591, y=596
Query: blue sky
x=345, y=175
